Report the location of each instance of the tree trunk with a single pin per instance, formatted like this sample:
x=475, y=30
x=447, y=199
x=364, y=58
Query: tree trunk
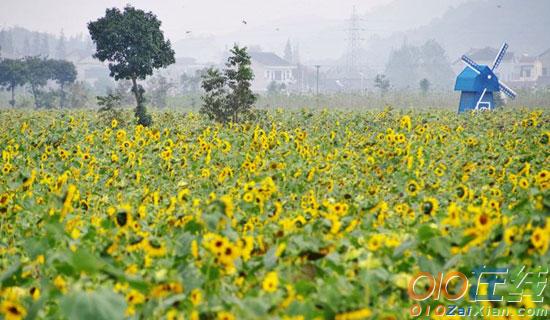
x=62, y=98
x=35, y=95
x=12, y=102
x=135, y=91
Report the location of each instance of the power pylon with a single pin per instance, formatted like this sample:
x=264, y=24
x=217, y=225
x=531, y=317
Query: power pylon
x=354, y=60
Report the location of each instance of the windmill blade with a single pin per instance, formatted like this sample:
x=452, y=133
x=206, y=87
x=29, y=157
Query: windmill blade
x=500, y=56
x=470, y=63
x=507, y=91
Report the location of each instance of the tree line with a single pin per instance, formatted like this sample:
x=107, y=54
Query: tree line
x=35, y=73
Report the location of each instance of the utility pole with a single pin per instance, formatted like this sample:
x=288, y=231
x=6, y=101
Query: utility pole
x=317, y=67
x=317, y=85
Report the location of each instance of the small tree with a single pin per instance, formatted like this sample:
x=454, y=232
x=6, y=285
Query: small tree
x=215, y=98
x=64, y=73
x=109, y=109
x=382, y=83
x=229, y=96
x=12, y=75
x=425, y=86
x=240, y=75
x=134, y=45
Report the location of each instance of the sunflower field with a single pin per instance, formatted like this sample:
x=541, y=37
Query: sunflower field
x=307, y=214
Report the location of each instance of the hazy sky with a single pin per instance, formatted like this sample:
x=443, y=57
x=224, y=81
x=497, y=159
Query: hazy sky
x=178, y=16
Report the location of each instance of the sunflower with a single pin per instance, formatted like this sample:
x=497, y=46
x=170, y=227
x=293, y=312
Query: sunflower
x=523, y=183
x=511, y=235
x=540, y=239
x=224, y=315
x=430, y=206
x=412, y=188
x=12, y=310
x=483, y=221
x=270, y=282
x=123, y=217
x=375, y=242
x=461, y=192
x=155, y=248
x=4, y=199
x=354, y=315
x=196, y=296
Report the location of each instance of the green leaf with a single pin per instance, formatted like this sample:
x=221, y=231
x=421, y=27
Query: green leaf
x=84, y=260
x=426, y=232
x=102, y=304
x=8, y=274
x=270, y=259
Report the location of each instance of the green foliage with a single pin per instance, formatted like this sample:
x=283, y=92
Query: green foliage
x=63, y=72
x=131, y=40
x=38, y=72
x=382, y=83
x=228, y=96
x=159, y=87
x=102, y=304
x=425, y=86
x=275, y=88
x=409, y=64
x=110, y=109
x=12, y=75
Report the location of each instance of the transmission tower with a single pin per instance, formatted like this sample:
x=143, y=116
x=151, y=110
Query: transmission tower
x=354, y=38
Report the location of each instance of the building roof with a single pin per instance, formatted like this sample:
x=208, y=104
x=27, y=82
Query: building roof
x=544, y=53
x=470, y=81
x=488, y=54
x=525, y=59
x=269, y=59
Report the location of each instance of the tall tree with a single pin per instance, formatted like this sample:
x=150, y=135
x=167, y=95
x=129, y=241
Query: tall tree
x=425, y=86
x=64, y=73
x=436, y=65
x=38, y=72
x=61, y=50
x=12, y=75
x=45, y=45
x=403, y=67
x=288, y=56
x=26, y=51
x=36, y=44
x=133, y=43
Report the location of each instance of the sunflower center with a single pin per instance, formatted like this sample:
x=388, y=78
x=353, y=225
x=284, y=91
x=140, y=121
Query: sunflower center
x=427, y=207
x=122, y=218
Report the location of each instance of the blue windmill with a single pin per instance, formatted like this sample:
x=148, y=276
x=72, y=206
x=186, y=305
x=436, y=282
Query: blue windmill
x=479, y=82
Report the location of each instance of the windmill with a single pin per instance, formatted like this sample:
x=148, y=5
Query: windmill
x=478, y=83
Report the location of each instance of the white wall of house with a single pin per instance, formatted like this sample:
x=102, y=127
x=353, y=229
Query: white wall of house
x=264, y=75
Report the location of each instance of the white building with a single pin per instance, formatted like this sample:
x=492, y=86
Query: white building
x=269, y=67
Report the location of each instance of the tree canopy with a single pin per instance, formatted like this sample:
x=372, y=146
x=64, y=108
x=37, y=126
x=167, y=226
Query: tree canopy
x=134, y=45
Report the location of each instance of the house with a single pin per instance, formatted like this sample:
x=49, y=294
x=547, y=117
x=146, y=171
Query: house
x=269, y=67
x=525, y=69
x=542, y=67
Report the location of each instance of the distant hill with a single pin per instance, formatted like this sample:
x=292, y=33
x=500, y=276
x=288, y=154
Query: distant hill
x=476, y=24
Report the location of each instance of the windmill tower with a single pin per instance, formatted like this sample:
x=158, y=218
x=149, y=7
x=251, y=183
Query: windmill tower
x=354, y=39
x=478, y=83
